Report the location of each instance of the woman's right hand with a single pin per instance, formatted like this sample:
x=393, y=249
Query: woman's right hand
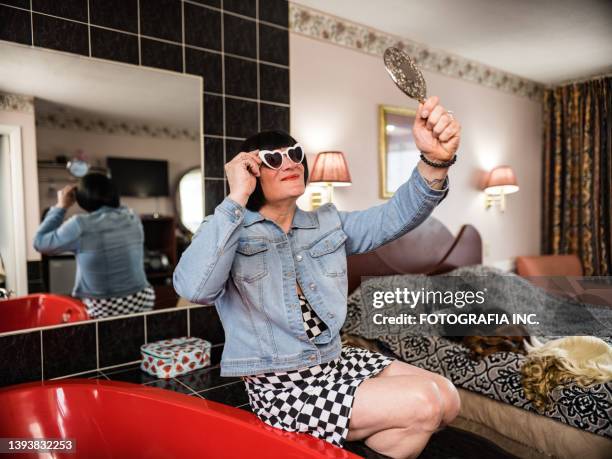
x=241, y=174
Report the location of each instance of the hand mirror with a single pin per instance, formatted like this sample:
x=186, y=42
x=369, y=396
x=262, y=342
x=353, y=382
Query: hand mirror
x=405, y=74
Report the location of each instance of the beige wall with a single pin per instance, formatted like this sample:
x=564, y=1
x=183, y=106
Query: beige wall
x=25, y=120
x=335, y=93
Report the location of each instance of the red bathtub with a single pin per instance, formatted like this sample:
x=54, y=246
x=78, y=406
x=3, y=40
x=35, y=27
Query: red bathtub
x=40, y=310
x=120, y=420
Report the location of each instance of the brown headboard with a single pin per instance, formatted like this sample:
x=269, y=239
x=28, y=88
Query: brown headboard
x=430, y=248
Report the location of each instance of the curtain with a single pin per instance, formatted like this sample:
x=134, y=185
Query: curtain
x=577, y=173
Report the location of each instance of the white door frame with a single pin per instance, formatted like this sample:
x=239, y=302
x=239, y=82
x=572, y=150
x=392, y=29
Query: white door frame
x=19, y=264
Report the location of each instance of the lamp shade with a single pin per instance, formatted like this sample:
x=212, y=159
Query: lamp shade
x=330, y=167
x=501, y=180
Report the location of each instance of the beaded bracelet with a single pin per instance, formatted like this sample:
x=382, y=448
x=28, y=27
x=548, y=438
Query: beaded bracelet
x=442, y=164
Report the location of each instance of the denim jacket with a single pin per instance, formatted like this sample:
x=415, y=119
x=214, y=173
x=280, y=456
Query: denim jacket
x=248, y=266
x=108, y=245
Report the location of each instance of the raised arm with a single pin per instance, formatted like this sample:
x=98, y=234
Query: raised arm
x=436, y=134
x=53, y=236
x=412, y=203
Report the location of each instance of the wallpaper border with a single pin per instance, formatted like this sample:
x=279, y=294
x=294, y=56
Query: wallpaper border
x=326, y=27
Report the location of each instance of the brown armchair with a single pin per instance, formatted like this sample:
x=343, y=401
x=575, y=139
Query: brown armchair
x=554, y=273
x=549, y=265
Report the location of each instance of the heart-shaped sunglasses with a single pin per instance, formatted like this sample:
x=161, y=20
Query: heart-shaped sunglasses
x=274, y=158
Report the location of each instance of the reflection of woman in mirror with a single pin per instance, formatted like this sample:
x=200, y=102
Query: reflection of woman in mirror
x=108, y=242
x=277, y=277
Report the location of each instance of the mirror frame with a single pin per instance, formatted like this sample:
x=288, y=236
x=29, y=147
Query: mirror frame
x=383, y=110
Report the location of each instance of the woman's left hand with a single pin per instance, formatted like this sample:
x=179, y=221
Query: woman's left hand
x=66, y=196
x=436, y=132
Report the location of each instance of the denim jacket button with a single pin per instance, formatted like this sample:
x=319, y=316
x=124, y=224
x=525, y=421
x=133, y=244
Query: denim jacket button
x=312, y=357
x=313, y=286
x=298, y=257
x=237, y=212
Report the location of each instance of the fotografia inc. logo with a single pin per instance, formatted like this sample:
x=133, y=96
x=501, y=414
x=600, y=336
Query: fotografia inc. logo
x=411, y=298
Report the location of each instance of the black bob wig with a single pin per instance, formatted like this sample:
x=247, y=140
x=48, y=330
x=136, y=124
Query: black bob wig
x=96, y=190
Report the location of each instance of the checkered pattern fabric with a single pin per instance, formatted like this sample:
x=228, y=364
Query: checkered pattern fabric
x=312, y=324
x=140, y=301
x=317, y=400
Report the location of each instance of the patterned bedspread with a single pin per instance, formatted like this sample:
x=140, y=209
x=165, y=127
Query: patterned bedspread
x=497, y=376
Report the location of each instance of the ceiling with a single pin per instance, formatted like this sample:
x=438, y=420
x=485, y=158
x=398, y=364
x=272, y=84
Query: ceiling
x=101, y=88
x=548, y=41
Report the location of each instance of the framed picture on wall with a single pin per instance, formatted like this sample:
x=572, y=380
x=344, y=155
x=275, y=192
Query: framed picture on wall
x=398, y=154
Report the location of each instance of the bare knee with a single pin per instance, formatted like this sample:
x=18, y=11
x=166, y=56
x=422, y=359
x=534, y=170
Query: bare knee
x=426, y=408
x=452, y=400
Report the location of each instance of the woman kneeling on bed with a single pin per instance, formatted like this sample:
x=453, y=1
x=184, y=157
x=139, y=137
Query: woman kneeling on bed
x=277, y=277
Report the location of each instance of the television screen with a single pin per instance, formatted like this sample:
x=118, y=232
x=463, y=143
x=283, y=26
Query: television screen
x=139, y=177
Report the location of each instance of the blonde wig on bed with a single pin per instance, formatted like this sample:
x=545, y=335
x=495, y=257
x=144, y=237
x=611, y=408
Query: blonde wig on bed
x=584, y=360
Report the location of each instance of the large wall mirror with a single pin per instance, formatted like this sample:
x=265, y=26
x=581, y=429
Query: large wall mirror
x=398, y=154
x=63, y=116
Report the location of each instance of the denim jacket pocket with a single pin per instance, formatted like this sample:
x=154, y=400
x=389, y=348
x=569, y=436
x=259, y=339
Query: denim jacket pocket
x=328, y=254
x=250, y=262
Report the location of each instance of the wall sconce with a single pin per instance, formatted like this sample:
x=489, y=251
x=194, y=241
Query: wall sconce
x=501, y=181
x=331, y=169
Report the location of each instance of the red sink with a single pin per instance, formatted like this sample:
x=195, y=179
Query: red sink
x=40, y=310
x=109, y=419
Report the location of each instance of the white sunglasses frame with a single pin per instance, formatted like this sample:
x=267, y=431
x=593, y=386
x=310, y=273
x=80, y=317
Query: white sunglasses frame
x=283, y=153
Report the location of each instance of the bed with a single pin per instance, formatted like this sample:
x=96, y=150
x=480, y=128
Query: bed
x=493, y=405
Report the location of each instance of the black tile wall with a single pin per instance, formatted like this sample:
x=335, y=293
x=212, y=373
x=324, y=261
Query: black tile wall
x=116, y=14
x=119, y=340
x=16, y=25
x=50, y=32
x=239, y=36
x=69, y=9
x=273, y=45
x=232, y=148
x=213, y=166
x=161, y=54
x=202, y=27
x=213, y=193
x=240, y=77
x=20, y=358
x=166, y=325
x=213, y=115
x=274, y=11
x=68, y=350
x=161, y=19
x=240, y=117
x=205, y=324
x=245, y=7
x=114, y=46
x=215, y=3
x=19, y=3
x=110, y=351
x=215, y=354
x=273, y=117
x=274, y=83
x=208, y=66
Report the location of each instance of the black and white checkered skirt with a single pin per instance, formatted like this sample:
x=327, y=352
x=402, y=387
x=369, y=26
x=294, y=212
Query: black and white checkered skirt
x=140, y=301
x=317, y=400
